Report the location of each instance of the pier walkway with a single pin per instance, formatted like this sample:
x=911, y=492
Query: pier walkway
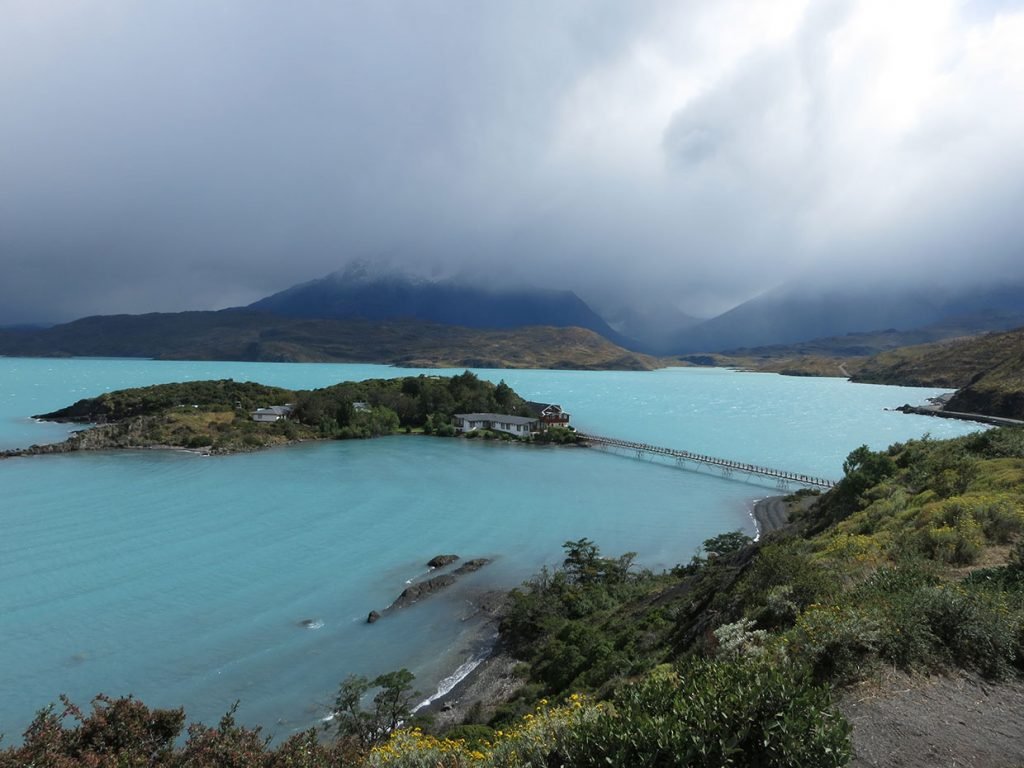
x=781, y=477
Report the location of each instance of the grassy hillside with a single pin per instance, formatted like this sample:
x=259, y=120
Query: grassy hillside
x=988, y=371
x=954, y=363
x=880, y=357
x=999, y=391
x=914, y=562
x=239, y=335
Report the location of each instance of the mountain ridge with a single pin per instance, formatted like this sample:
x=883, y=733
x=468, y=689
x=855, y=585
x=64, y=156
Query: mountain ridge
x=252, y=336
x=355, y=294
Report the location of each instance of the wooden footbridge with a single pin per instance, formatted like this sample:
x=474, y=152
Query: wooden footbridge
x=727, y=467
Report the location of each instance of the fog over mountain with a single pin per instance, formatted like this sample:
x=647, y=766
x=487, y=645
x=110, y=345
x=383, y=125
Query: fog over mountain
x=361, y=292
x=805, y=310
x=660, y=158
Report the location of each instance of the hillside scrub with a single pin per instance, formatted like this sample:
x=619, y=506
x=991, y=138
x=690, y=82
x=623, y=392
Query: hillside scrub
x=915, y=561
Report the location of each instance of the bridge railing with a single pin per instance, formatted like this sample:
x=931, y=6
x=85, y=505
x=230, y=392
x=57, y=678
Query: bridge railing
x=726, y=464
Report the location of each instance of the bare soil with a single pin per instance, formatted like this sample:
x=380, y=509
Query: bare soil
x=951, y=721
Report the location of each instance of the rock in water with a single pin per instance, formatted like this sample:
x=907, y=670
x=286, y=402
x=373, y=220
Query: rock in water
x=440, y=561
x=421, y=589
x=414, y=592
x=471, y=565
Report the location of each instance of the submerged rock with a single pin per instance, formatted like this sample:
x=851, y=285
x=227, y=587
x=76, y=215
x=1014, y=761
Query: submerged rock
x=372, y=617
x=471, y=565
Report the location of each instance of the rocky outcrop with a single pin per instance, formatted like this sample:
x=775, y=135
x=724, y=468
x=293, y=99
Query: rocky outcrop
x=422, y=589
x=991, y=401
x=440, y=561
x=945, y=413
x=99, y=438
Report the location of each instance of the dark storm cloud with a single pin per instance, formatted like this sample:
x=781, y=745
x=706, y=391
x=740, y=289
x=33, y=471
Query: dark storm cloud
x=171, y=155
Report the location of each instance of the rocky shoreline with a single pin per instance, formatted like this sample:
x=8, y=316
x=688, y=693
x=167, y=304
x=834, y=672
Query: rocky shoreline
x=940, y=412
x=770, y=514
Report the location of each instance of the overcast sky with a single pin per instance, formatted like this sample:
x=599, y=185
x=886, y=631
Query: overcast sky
x=196, y=154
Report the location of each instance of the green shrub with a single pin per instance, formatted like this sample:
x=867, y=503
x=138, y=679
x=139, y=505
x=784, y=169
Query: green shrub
x=960, y=543
x=714, y=713
x=780, y=609
x=472, y=736
x=1006, y=442
x=1015, y=562
x=975, y=627
x=786, y=564
x=1000, y=519
x=555, y=436
x=837, y=641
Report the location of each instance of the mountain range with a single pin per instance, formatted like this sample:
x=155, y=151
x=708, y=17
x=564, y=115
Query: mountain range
x=804, y=311
x=360, y=314
x=259, y=336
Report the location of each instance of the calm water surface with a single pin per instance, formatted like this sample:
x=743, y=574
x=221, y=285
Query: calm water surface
x=185, y=579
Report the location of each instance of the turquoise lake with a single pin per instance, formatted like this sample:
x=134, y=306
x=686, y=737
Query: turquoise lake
x=184, y=579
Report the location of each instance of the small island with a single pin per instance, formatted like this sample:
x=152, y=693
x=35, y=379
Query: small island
x=226, y=416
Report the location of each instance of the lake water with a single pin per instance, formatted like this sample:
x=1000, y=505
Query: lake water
x=185, y=579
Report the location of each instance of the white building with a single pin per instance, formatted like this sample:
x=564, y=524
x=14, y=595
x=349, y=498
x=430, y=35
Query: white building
x=273, y=413
x=520, y=426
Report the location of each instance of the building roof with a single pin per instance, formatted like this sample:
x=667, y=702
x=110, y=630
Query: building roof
x=545, y=408
x=277, y=410
x=502, y=417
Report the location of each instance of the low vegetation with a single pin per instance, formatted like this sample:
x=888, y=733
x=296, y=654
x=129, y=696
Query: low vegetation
x=953, y=363
x=915, y=561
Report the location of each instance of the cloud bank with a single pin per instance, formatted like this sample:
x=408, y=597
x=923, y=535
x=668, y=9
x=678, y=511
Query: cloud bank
x=191, y=155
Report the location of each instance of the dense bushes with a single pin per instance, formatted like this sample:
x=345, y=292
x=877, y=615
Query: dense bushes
x=941, y=504
x=219, y=395
x=705, y=713
x=125, y=733
x=715, y=713
x=417, y=402
x=885, y=583
x=564, y=622
x=702, y=714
